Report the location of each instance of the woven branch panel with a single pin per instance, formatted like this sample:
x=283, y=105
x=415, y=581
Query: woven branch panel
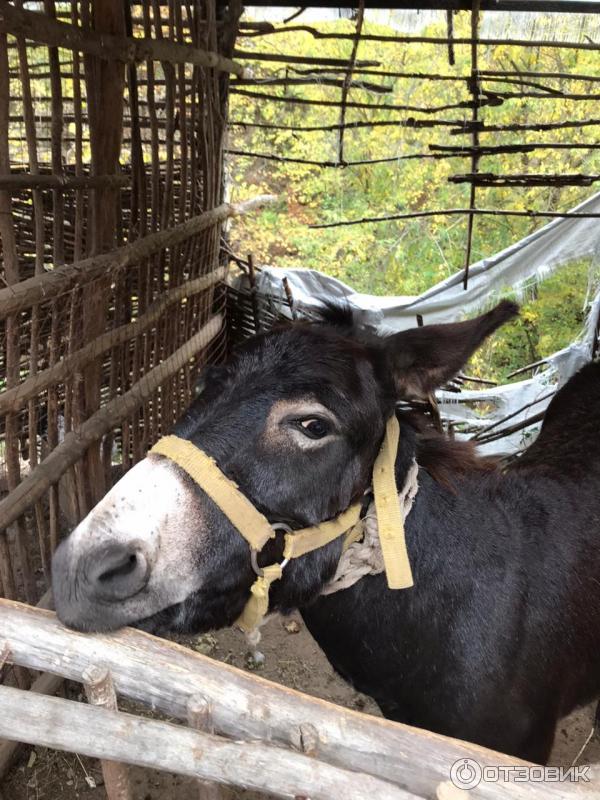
x=112, y=118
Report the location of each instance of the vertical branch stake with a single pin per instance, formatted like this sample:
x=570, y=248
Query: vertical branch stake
x=253, y=297
x=475, y=93
x=348, y=78
x=4, y=654
x=450, y=23
x=596, y=342
x=199, y=718
x=100, y=691
x=290, y=298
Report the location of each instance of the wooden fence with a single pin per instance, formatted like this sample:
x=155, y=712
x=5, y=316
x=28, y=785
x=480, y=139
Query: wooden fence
x=263, y=736
x=112, y=119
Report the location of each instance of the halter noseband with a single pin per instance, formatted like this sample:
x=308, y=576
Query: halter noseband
x=257, y=530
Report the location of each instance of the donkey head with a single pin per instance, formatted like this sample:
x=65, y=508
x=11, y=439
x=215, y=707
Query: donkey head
x=296, y=420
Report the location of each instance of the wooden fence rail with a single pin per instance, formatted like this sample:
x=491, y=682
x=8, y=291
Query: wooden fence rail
x=243, y=706
x=100, y=733
x=47, y=285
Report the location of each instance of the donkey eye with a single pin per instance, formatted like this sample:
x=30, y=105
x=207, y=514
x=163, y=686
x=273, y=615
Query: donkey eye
x=314, y=427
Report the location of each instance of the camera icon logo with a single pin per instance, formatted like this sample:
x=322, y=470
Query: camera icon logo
x=465, y=773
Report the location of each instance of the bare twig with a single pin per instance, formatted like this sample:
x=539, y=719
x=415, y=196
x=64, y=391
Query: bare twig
x=520, y=371
x=519, y=147
x=348, y=79
x=481, y=435
x=493, y=212
x=292, y=100
x=295, y=15
x=519, y=426
x=290, y=298
x=450, y=26
x=250, y=55
x=315, y=81
x=251, y=29
x=253, y=292
x=466, y=127
x=476, y=94
x=333, y=164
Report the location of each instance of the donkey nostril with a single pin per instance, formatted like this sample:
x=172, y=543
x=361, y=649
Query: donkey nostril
x=126, y=568
x=118, y=571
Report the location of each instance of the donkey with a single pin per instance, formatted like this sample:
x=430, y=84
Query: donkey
x=500, y=635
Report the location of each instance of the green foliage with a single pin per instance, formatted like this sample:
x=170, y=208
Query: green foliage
x=406, y=257
x=552, y=315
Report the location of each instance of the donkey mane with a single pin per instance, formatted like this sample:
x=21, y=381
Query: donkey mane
x=447, y=459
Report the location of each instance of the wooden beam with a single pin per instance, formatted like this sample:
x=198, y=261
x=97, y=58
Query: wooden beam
x=18, y=181
x=101, y=733
x=46, y=683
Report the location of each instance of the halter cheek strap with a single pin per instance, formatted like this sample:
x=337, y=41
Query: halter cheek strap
x=257, y=530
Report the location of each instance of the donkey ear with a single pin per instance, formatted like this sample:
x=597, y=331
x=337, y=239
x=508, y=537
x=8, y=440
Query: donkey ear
x=424, y=358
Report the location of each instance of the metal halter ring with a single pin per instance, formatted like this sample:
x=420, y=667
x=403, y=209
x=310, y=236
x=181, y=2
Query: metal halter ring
x=277, y=526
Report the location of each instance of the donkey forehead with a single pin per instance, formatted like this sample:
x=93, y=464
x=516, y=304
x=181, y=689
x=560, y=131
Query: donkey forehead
x=296, y=364
x=303, y=360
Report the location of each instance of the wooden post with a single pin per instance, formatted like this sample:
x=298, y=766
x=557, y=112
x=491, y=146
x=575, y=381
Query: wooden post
x=253, y=292
x=475, y=89
x=4, y=654
x=290, y=298
x=199, y=718
x=13, y=357
x=105, y=81
x=100, y=691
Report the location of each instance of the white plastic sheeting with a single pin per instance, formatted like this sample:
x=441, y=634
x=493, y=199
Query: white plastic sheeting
x=538, y=255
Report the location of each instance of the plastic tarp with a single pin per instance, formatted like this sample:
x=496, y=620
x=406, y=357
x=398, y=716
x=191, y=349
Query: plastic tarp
x=555, y=245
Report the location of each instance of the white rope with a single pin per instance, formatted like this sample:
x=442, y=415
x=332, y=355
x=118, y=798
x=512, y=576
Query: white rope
x=365, y=557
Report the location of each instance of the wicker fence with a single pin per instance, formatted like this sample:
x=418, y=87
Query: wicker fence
x=112, y=118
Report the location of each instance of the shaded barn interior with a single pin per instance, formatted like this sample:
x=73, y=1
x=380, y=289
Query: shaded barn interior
x=113, y=213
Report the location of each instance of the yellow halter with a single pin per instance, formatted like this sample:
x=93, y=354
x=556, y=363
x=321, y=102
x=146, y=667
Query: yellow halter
x=257, y=530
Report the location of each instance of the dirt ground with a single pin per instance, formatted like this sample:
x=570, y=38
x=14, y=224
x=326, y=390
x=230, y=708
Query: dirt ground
x=291, y=658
